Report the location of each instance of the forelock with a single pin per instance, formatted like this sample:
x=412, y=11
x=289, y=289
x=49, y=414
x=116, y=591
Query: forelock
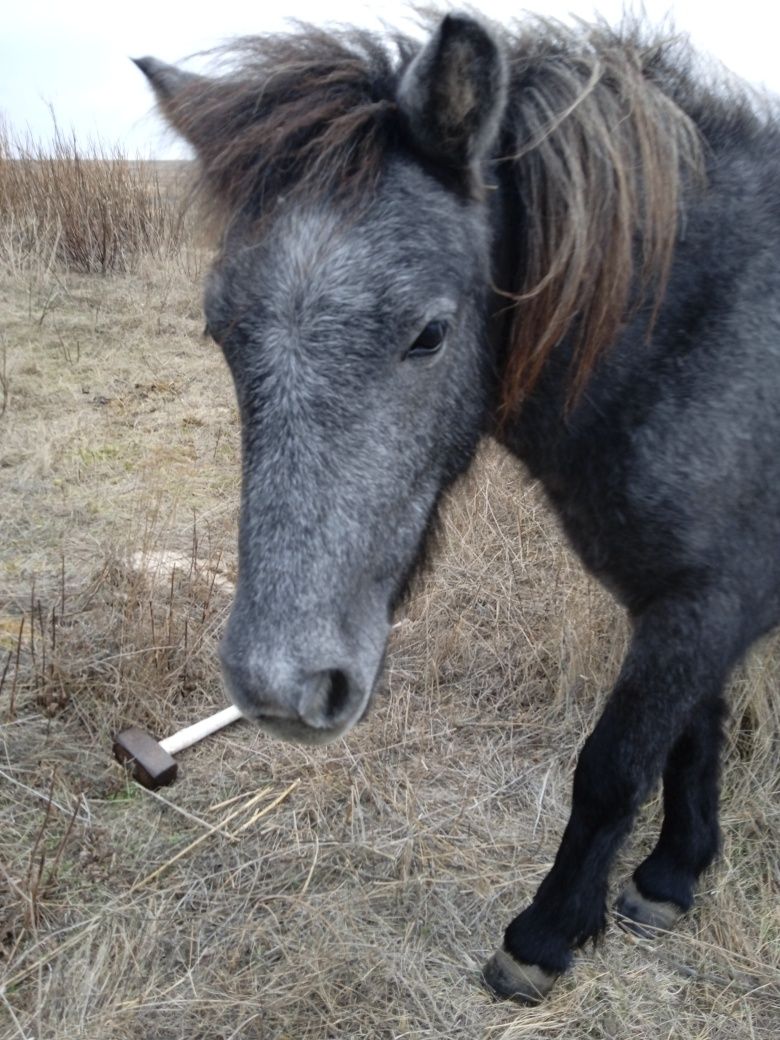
x=311, y=114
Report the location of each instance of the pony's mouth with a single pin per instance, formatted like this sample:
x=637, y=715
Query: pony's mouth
x=297, y=732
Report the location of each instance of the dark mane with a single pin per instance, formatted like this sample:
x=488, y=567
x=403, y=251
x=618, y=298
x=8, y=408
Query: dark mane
x=603, y=130
x=310, y=112
x=600, y=151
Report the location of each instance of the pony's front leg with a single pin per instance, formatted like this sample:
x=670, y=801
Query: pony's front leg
x=680, y=656
x=663, y=886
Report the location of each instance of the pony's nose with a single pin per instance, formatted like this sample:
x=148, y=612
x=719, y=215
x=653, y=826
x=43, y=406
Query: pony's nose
x=319, y=698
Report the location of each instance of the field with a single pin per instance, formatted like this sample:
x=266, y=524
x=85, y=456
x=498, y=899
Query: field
x=273, y=892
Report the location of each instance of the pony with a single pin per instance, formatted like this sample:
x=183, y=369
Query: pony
x=562, y=238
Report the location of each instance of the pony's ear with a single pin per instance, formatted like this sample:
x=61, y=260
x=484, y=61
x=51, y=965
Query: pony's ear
x=453, y=94
x=172, y=87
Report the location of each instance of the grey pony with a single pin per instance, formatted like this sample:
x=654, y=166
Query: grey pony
x=371, y=351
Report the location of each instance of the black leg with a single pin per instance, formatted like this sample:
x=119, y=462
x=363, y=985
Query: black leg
x=680, y=656
x=663, y=885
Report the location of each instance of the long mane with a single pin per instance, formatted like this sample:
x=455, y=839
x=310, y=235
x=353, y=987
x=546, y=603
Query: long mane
x=603, y=131
x=600, y=152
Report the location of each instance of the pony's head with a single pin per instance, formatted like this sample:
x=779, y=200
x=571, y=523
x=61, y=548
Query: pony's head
x=349, y=297
x=360, y=239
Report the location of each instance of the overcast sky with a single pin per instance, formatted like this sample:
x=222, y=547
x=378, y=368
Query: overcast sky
x=74, y=54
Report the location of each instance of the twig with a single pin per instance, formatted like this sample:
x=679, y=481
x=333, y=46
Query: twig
x=4, y=384
x=210, y=593
x=266, y=809
x=170, y=606
x=43, y=650
x=5, y=670
x=62, y=586
x=58, y=855
x=42, y=828
x=740, y=981
x=154, y=638
x=32, y=626
x=185, y=813
x=230, y=801
x=37, y=717
x=313, y=865
x=12, y=704
x=199, y=840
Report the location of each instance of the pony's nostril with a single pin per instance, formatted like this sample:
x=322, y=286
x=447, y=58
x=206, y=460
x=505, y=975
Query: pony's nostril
x=326, y=699
x=338, y=693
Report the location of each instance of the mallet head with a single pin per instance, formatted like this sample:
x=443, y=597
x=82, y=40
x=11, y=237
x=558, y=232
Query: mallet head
x=152, y=765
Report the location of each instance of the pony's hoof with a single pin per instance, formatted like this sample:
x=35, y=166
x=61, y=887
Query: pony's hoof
x=525, y=983
x=642, y=916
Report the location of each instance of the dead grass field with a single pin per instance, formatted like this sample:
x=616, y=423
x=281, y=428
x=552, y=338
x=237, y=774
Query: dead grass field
x=378, y=873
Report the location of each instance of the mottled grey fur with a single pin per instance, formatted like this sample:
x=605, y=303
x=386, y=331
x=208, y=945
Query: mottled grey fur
x=347, y=446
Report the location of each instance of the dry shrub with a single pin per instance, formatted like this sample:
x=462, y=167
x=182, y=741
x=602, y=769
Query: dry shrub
x=88, y=209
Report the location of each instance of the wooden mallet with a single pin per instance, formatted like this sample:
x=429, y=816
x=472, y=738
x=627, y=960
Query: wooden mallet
x=152, y=760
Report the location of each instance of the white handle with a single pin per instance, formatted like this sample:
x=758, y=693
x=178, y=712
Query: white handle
x=198, y=730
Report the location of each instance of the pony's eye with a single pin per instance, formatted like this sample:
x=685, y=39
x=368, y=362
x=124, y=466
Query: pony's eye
x=429, y=341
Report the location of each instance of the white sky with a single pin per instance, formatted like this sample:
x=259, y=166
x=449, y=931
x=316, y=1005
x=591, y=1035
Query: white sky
x=74, y=53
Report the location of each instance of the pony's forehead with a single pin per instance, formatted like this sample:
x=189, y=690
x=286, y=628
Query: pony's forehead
x=412, y=228
x=316, y=262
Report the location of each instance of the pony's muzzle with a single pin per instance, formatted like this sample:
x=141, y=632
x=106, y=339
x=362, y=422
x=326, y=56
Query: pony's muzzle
x=310, y=705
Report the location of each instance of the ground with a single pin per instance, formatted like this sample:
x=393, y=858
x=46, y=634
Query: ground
x=365, y=884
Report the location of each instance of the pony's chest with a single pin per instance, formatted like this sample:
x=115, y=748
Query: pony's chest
x=590, y=479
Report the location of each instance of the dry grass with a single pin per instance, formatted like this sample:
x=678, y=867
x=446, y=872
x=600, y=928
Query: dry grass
x=384, y=868
x=90, y=210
